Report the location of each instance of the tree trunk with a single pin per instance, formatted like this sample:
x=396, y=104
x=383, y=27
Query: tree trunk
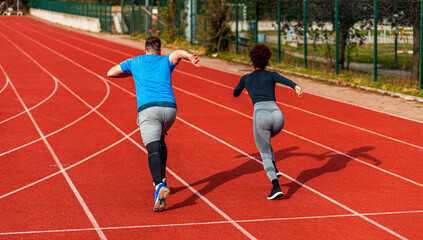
x=416, y=51
x=343, y=34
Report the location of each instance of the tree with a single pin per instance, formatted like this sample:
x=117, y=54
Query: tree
x=351, y=12
x=219, y=34
x=170, y=17
x=406, y=13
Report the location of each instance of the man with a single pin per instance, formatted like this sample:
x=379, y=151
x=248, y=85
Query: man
x=156, y=105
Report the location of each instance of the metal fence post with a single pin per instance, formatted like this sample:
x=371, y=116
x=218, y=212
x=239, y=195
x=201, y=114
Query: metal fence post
x=122, y=5
x=158, y=20
x=337, y=37
x=131, y=24
x=139, y=16
x=151, y=18
x=375, y=42
x=110, y=17
x=190, y=22
x=279, y=31
x=256, y=22
x=236, y=26
x=179, y=18
x=421, y=45
x=305, y=33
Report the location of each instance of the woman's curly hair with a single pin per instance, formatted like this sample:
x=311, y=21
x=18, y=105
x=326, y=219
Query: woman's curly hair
x=260, y=55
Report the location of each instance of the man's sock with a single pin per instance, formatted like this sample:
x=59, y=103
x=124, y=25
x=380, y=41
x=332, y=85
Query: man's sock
x=154, y=161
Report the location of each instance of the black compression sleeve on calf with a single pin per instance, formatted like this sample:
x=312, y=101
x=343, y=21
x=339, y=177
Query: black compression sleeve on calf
x=154, y=161
x=163, y=155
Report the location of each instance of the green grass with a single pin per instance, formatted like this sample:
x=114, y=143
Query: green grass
x=364, y=54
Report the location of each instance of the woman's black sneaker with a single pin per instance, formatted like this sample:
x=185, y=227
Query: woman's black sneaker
x=276, y=193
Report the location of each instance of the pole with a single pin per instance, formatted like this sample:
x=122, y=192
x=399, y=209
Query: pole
x=150, y=27
x=147, y=17
x=421, y=45
x=337, y=37
x=396, y=44
x=158, y=22
x=179, y=17
x=131, y=24
x=122, y=17
x=236, y=27
x=305, y=33
x=190, y=22
x=375, y=43
x=279, y=31
x=139, y=16
x=256, y=23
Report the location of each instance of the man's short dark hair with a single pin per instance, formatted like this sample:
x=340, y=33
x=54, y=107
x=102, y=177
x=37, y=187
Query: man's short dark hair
x=153, y=44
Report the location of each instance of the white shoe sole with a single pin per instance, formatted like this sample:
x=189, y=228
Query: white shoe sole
x=163, y=194
x=276, y=195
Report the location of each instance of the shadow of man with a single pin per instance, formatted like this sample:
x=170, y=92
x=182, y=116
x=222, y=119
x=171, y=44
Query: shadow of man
x=335, y=163
x=218, y=179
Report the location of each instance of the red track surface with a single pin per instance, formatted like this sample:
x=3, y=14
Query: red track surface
x=73, y=166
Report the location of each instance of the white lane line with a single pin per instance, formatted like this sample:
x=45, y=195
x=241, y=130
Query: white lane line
x=56, y=81
x=229, y=219
x=211, y=223
x=70, y=45
x=300, y=183
x=71, y=166
x=305, y=139
x=311, y=113
x=246, y=233
x=38, y=104
x=5, y=85
x=56, y=159
x=83, y=40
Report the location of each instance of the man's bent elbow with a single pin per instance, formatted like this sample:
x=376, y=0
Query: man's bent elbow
x=112, y=72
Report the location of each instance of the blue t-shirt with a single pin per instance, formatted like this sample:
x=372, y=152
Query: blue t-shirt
x=152, y=79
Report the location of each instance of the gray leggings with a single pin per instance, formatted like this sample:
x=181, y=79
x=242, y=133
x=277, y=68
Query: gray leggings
x=268, y=122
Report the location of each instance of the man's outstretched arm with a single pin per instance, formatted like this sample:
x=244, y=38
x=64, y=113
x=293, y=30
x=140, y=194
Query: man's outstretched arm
x=117, y=72
x=176, y=56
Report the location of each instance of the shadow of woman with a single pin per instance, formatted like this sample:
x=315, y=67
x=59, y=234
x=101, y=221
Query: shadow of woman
x=218, y=179
x=335, y=163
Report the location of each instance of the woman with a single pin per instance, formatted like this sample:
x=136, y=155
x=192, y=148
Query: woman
x=268, y=118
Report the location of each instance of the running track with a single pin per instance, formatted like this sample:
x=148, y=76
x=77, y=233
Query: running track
x=72, y=165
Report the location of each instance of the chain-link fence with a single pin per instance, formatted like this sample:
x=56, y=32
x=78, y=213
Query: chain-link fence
x=338, y=36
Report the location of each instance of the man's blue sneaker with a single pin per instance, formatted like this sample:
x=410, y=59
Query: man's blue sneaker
x=160, y=195
x=163, y=181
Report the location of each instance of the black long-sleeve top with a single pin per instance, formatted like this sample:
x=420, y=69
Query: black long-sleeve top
x=260, y=85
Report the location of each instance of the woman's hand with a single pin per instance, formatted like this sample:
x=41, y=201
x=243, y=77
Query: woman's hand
x=299, y=91
x=194, y=59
